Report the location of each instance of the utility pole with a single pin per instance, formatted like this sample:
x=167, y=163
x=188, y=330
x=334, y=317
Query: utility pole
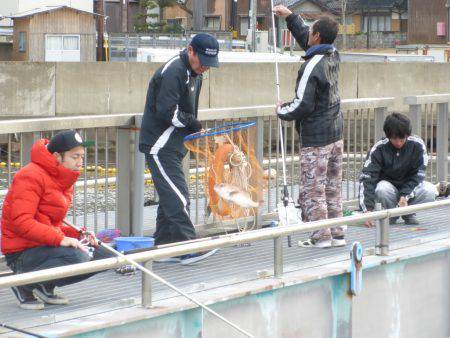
x=344, y=24
x=369, y=23
x=100, y=28
x=252, y=15
x=124, y=16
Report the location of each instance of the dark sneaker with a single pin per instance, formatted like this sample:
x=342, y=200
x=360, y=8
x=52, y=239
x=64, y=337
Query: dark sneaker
x=27, y=300
x=411, y=220
x=196, y=257
x=168, y=260
x=338, y=241
x=49, y=296
x=126, y=270
x=393, y=220
x=311, y=243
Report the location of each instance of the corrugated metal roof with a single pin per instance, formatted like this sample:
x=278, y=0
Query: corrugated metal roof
x=379, y=4
x=335, y=6
x=45, y=10
x=6, y=31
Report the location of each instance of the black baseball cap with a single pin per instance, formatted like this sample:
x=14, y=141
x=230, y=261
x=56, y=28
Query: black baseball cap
x=65, y=141
x=207, y=49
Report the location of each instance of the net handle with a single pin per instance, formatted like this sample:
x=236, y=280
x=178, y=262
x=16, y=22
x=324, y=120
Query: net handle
x=231, y=127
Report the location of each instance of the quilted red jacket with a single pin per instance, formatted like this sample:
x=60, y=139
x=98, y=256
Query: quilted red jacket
x=37, y=202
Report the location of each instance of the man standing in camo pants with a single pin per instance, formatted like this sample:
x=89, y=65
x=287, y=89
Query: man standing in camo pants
x=318, y=119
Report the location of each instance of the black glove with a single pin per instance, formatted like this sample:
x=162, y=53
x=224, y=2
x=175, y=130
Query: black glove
x=196, y=126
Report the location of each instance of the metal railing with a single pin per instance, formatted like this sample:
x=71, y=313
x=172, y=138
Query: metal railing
x=177, y=249
x=113, y=176
x=123, y=47
x=94, y=194
x=430, y=120
x=110, y=192
x=363, y=125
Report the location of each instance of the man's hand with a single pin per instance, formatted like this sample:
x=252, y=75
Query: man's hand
x=282, y=11
x=368, y=224
x=402, y=202
x=74, y=243
x=278, y=105
x=90, y=239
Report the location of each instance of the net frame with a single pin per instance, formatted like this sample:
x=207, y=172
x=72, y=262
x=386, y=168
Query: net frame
x=228, y=156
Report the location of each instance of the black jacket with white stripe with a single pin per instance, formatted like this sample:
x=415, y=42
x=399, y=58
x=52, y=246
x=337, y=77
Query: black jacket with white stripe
x=316, y=106
x=404, y=168
x=171, y=107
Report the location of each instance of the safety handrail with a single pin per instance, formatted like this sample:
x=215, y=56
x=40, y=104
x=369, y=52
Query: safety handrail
x=122, y=120
x=219, y=242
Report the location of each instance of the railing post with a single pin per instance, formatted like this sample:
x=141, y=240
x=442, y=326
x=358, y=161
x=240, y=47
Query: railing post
x=278, y=257
x=27, y=141
x=442, y=141
x=380, y=116
x=382, y=234
x=415, y=114
x=130, y=182
x=127, y=48
x=123, y=181
x=259, y=152
x=137, y=184
x=259, y=148
x=147, y=286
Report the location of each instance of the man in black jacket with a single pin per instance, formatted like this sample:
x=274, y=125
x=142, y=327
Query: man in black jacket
x=171, y=114
x=318, y=119
x=394, y=171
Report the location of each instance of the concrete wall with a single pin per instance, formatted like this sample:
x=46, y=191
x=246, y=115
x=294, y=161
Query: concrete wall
x=27, y=89
x=403, y=295
x=61, y=89
x=406, y=299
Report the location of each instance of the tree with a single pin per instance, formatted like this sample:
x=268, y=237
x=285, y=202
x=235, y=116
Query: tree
x=142, y=23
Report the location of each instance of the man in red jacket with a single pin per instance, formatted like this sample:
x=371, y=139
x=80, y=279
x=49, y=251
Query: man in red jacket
x=33, y=235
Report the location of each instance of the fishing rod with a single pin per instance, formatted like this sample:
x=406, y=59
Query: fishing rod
x=158, y=278
x=285, y=198
x=9, y=327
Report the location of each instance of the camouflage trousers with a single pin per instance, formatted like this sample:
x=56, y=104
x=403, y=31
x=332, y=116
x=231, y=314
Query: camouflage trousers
x=320, y=186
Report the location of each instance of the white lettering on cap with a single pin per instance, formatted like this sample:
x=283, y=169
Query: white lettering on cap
x=78, y=138
x=211, y=51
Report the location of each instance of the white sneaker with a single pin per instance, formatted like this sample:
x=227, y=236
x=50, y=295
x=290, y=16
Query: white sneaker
x=196, y=257
x=336, y=242
x=168, y=260
x=316, y=244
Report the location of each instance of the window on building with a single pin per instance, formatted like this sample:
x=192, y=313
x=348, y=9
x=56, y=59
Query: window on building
x=22, y=42
x=212, y=22
x=71, y=42
x=260, y=22
x=62, y=48
x=378, y=23
x=175, y=22
x=244, y=26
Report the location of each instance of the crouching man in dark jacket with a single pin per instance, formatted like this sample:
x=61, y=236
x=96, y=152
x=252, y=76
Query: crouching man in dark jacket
x=394, y=171
x=318, y=119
